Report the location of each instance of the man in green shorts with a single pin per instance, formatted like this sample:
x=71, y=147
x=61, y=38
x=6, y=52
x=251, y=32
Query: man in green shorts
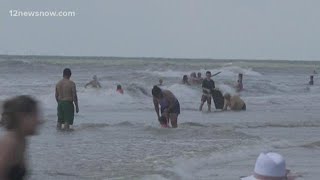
x=66, y=95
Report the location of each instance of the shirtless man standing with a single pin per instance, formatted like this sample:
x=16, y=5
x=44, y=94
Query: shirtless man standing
x=170, y=107
x=66, y=95
x=234, y=102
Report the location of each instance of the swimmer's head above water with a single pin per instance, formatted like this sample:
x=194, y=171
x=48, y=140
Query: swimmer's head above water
x=160, y=81
x=227, y=96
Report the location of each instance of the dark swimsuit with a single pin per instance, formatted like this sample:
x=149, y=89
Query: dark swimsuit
x=165, y=105
x=16, y=172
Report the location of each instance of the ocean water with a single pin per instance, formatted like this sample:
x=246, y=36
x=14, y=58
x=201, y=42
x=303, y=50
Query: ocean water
x=118, y=137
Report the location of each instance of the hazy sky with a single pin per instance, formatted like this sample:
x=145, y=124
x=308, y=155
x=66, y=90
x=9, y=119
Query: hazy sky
x=241, y=29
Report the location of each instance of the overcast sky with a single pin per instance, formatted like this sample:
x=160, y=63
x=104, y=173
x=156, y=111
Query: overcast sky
x=238, y=29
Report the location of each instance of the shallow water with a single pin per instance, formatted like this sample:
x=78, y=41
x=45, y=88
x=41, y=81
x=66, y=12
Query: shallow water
x=118, y=137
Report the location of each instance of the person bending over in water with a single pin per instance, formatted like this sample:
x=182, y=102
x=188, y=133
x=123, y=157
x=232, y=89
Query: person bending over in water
x=119, y=89
x=94, y=83
x=207, y=88
x=170, y=107
x=234, y=102
x=21, y=118
x=66, y=95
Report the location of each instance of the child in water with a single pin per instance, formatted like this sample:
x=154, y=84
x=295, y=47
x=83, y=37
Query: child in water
x=163, y=122
x=119, y=89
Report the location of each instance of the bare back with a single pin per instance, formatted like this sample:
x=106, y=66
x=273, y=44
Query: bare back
x=169, y=96
x=66, y=90
x=236, y=103
x=11, y=153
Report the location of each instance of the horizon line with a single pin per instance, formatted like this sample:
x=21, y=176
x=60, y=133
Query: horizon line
x=162, y=58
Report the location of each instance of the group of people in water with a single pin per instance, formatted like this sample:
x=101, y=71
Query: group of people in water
x=94, y=83
x=170, y=107
x=21, y=118
x=166, y=104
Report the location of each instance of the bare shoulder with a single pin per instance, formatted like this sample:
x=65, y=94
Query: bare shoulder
x=8, y=142
x=59, y=82
x=73, y=83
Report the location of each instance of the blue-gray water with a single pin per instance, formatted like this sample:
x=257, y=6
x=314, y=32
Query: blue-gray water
x=118, y=136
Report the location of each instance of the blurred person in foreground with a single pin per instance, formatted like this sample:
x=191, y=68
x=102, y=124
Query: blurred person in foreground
x=21, y=118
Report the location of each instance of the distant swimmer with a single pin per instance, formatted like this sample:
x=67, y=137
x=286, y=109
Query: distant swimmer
x=185, y=80
x=66, y=96
x=235, y=103
x=199, y=78
x=119, y=89
x=239, y=85
x=160, y=82
x=207, y=88
x=193, y=78
x=311, y=80
x=94, y=83
x=169, y=105
x=218, y=99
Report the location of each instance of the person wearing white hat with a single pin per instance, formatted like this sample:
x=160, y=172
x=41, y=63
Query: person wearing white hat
x=270, y=166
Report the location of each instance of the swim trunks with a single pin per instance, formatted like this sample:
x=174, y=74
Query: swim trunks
x=65, y=112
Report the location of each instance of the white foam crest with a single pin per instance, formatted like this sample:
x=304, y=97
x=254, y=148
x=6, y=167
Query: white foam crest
x=104, y=97
x=224, y=88
x=189, y=97
x=214, y=164
x=98, y=98
x=167, y=73
x=235, y=70
x=153, y=177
